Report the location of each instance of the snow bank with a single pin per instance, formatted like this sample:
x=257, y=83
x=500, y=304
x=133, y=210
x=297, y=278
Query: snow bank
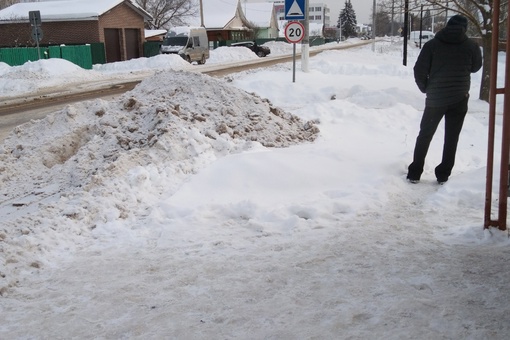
x=78, y=163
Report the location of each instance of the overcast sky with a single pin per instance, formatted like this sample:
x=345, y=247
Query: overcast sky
x=362, y=8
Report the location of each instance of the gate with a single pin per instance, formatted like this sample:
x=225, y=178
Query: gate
x=112, y=44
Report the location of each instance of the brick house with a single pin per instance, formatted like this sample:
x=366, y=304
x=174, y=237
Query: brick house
x=118, y=24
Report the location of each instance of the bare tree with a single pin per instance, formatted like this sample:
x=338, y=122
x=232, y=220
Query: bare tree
x=395, y=10
x=7, y=3
x=479, y=14
x=382, y=22
x=167, y=13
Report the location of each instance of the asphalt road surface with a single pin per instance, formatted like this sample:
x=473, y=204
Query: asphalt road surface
x=17, y=112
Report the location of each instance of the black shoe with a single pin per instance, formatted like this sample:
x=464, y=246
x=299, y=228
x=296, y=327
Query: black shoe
x=414, y=181
x=442, y=181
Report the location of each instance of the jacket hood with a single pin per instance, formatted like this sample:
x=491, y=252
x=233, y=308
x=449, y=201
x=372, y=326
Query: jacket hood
x=452, y=34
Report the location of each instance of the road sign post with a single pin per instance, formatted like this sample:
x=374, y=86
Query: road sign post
x=37, y=34
x=35, y=22
x=294, y=33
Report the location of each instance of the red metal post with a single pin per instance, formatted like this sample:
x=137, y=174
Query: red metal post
x=505, y=144
x=488, y=222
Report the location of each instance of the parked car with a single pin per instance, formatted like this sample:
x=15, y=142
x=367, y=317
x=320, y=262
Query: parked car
x=189, y=42
x=425, y=36
x=261, y=51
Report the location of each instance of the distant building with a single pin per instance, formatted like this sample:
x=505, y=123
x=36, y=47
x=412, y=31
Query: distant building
x=237, y=20
x=262, y=16
x=318, y=12
x=118, y=24
x=155, y=35
x=363, y=29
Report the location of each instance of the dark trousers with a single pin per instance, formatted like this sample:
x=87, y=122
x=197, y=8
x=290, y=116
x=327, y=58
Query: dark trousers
x=454, y=119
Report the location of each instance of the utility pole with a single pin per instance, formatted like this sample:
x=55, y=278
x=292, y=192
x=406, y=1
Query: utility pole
x=305, y=45
x=373, y=27
x=392, y=19
x=201, y=14
x=406, y=28
x=421, y=22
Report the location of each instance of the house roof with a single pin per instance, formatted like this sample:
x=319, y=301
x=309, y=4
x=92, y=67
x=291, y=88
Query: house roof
x=65, y=10
x=154, y=33
x=218, y=13
x=259, y=14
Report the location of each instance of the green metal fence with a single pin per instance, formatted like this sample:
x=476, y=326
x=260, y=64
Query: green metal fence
x=151, y=48
x=18, y=55
x=54, y=52
x=87, y=55
x=98, y=53
x=82, y=55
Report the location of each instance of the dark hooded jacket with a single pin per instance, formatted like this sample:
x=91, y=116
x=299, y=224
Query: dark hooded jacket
x=443, y=68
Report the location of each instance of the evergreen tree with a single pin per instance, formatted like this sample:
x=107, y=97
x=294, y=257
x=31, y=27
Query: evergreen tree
x=347, y=19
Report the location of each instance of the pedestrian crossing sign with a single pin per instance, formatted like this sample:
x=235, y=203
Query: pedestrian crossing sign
x=294, y=9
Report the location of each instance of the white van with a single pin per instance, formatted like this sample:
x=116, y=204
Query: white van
x=190, y=43
x=425, y=36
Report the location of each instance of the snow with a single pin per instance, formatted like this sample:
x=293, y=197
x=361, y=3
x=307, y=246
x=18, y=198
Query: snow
x=217, y=13
x=259, y=14
x=58, y=10
x=245, y=207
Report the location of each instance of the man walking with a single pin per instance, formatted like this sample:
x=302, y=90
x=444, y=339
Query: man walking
x=443, y=72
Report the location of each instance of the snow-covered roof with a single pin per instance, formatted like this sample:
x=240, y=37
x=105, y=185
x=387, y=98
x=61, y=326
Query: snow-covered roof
x=218, y=13
x=259, y=14
x=154, y=33
x=65, y=10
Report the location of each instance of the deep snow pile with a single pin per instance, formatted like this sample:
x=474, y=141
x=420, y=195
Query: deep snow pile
x=76, y=162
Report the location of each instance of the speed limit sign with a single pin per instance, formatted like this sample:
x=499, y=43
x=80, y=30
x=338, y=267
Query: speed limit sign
x=294, y=32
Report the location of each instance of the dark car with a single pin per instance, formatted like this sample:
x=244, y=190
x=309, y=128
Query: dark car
x=261, y=51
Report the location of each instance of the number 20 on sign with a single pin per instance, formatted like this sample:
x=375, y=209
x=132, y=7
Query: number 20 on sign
x=294, y=32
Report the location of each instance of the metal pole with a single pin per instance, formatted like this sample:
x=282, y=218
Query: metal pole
x=340, y=23
x=488, y=222
x=294, y=63
x=373, y=26
x=201, y=14
x=446, y=12
x=305, y=46
x=38, y=49
x=392, y=19
x=35, y=29
x=505, y=147
x=421, y=22
x=406, y=23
